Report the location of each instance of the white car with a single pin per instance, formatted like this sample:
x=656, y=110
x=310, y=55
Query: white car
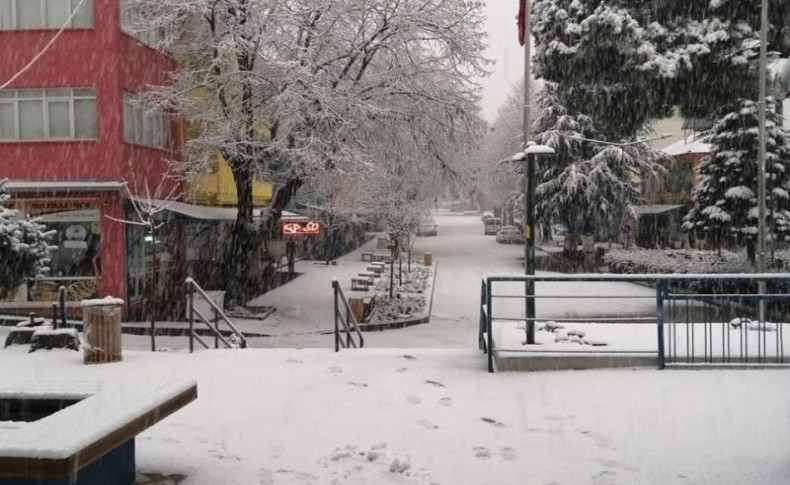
x=427, y=226
x=509, y=235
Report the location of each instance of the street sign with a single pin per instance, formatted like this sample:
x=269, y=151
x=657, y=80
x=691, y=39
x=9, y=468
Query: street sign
x=301, y=228
x=626, y=228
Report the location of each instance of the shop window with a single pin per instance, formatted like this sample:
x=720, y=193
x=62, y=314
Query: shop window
x=45, y=14
x=37, y=114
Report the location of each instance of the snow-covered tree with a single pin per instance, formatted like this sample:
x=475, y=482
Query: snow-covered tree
x=148, y=205
x=24, y=246
x=585, y=181
x=726, y=197
x=596, y=51
x=285, y=87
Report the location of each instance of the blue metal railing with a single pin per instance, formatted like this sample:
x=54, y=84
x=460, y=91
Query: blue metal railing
x=345, y=322
x=699, y=319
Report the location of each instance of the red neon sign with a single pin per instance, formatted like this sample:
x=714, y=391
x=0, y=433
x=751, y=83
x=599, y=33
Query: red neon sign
x=301, y=228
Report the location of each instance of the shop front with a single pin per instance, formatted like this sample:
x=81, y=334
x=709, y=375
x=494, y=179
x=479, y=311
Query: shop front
x=86, y=256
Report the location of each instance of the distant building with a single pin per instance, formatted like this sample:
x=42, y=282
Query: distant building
x=667, y=195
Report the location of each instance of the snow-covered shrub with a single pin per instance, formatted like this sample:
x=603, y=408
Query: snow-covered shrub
x=658, y=261
x=23, y=246
x=415, y=281
x=398, y=308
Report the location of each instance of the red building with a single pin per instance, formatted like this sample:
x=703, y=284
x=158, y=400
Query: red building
x=71, y=128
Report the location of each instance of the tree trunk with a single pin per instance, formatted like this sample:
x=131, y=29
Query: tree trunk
x=242, y=240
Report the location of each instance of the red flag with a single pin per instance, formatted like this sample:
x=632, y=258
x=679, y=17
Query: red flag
x=522, y=21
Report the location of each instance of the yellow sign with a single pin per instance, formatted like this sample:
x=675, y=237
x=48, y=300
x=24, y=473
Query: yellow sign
x=527, y=232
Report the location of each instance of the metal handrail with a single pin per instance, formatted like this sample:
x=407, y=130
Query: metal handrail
x=193, y=287
x=665, y=315
x=349, y=321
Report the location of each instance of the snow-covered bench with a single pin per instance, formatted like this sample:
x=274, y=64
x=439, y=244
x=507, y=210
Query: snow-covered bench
x=80, y=432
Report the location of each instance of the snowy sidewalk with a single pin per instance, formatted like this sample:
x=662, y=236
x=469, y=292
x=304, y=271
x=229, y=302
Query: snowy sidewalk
x=305, y=305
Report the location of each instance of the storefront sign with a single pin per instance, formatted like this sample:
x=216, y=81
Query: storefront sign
x=301, y=228
x=37, y=207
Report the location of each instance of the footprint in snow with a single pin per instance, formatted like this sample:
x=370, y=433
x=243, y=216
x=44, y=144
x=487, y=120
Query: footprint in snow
x=481, y=453
x=356, y=384
x=407, y=357
x=335, y=369
x=401, y=369
x=508, y=453
x=446, y=401
x=427, y=424
x=413, y=399
x=294, y=361
x=492, y=422
x=435, y=383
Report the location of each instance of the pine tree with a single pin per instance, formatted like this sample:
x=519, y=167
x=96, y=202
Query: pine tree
x=726, y=197
x=23, y=246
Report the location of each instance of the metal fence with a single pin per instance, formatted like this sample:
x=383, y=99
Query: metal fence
x=679, y=319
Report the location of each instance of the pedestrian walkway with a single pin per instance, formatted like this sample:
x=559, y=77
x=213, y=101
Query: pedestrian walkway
x=305, y=304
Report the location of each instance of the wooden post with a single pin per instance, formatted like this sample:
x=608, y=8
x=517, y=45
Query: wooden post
x=102, y=333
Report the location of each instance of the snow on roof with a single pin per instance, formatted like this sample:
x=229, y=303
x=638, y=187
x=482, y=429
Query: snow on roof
x=104, y=407
x=656, y=208
x=683, y=146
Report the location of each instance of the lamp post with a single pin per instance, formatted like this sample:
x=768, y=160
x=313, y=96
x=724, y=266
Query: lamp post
x=528, y=156
x=761, y=173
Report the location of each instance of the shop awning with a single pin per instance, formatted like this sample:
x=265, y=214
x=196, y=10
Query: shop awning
x=655, y=208
x=215, y=213
x=62, y=186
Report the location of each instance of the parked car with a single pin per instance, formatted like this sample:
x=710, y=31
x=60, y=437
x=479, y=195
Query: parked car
x=426, y=226
x=487, y=215
x=492, y=225
x=509, y=235
x=558, y=233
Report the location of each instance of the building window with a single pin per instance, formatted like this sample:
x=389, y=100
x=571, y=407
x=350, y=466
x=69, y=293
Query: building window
x=143, y=124
x=679, y=178
x=47, y=114
x=137, y=26
x=45, y=14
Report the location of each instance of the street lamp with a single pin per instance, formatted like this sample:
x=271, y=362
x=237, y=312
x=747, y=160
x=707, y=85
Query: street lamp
x=528, y=156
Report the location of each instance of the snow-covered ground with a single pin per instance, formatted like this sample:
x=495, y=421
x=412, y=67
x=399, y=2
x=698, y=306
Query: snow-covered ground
x=419, y=407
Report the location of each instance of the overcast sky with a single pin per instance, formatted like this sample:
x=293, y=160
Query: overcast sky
x=504, y=49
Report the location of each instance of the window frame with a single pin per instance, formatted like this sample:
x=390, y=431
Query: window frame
x=45, y=96
x=43, y=11
x=140, y=123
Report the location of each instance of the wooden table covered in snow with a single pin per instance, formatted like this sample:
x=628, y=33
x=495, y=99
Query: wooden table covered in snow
x=89, y=436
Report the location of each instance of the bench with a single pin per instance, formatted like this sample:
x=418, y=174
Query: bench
x=369, y=276
x=367, y=256
x=384, y=257
x=86, y=444
x=359, y=283
x=377, y=269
